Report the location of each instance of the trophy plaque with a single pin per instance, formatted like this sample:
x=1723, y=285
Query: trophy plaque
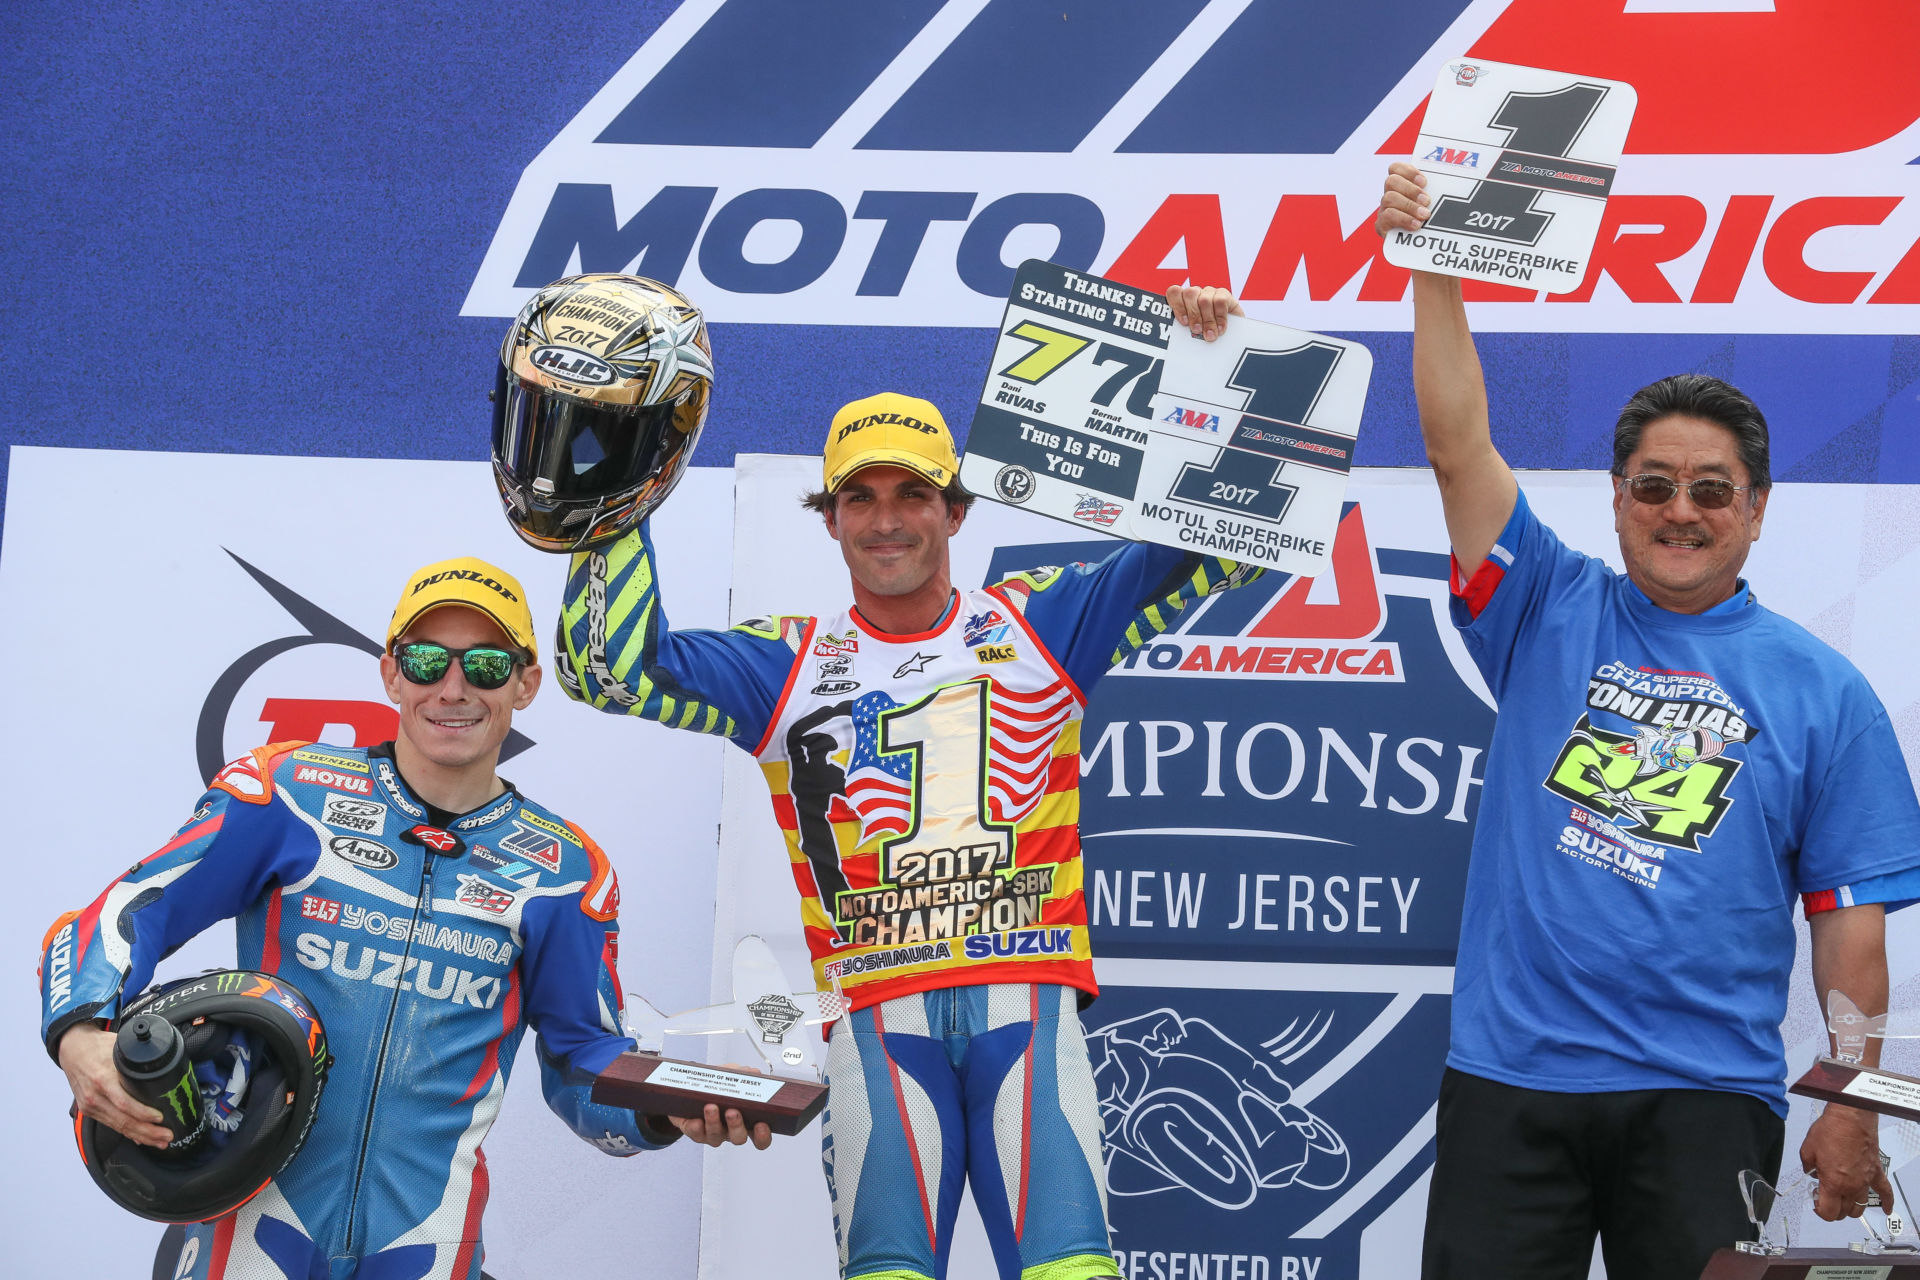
x=1846, y=1079
x=776, y=1020
x=1881, y=1255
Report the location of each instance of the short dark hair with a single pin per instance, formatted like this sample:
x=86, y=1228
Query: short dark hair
x=820, y=501
x=1696, y=395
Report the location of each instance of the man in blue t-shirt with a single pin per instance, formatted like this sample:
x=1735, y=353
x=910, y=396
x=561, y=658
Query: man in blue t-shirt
x=1673, y=763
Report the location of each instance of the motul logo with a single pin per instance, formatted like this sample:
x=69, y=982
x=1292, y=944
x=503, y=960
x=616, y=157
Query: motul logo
x=329, y=778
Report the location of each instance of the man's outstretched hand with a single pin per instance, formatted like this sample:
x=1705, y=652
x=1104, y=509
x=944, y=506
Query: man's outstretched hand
x=1203, y=309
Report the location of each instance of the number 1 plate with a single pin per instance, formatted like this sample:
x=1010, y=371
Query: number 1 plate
x=1519, y=164
x=1098, y=412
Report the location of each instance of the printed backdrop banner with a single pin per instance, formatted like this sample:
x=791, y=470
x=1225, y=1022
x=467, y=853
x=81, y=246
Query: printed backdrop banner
x=1277, y=806
x=847, y=186
x=200, y=605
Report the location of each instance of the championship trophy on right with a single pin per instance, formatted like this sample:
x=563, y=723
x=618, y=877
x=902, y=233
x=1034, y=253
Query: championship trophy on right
x=1890, y=1239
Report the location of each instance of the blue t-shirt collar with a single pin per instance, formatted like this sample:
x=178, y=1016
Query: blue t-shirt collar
x=1738, y=610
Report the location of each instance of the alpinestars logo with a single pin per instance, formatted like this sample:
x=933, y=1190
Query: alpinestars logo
x=595, y=657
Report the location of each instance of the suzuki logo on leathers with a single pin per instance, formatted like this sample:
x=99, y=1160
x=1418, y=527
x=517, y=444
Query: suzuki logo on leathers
x=407, y=973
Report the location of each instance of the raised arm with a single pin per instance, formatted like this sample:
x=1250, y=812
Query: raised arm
x=616, y=652
x=1477, y=488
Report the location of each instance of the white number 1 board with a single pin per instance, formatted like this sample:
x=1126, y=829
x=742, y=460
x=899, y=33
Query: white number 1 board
x=1098, y=412
x=1519, y=164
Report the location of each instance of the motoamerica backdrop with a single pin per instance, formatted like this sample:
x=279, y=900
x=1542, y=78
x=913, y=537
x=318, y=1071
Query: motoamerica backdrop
x=232, y=233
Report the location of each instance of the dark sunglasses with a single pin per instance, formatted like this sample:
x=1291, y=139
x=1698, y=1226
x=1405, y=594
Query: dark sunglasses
x=426, y=663
x=1707, y=494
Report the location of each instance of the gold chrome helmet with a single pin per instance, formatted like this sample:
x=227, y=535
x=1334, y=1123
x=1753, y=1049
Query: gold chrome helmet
x=603, y=385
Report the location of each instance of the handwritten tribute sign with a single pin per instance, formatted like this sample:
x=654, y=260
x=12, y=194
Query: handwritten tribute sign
x=1099, y=412
x=1519, y=164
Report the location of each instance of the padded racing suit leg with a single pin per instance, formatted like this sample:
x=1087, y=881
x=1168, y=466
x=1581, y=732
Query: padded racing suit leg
x=987, y=1084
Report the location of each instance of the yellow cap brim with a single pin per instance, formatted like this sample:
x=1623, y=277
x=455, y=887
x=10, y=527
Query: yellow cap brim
x=919, y=464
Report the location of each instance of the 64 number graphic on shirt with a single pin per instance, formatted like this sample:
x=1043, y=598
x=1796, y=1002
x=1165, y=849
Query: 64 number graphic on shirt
x=1098, y=411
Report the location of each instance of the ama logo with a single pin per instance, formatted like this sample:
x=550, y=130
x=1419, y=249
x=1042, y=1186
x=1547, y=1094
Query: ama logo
x=1195, y=419
x=319, y=684
x=1453, y=155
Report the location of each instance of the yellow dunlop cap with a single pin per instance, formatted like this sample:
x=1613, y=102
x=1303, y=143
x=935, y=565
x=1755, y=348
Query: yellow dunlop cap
x=473, y=583
x=890, y=428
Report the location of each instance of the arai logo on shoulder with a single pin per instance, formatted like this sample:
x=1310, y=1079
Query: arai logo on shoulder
x=572, y=364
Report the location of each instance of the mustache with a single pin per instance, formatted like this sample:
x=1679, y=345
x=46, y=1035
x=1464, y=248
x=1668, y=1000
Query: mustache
x=1697, y=533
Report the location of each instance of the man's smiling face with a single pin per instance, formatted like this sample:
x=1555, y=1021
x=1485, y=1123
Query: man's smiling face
x=449, y=722
x=1685, y=557
x=892, y=525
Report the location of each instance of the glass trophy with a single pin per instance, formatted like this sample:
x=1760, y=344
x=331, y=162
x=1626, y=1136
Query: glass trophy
x=1770, y=1255
x=1846, y=1078
x=779, y=1022
x=1761, y=1201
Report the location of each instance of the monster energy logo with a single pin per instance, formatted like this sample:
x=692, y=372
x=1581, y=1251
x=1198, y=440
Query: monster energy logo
x=184, y=1098
x=227, y=983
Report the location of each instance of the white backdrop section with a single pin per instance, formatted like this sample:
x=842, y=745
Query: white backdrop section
x=122, y=612
x=1843, y=560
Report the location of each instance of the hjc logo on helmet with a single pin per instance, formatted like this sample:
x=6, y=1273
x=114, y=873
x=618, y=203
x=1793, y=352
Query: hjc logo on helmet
x=574, y=366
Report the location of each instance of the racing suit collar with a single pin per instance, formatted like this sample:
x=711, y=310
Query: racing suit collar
x=436, y=816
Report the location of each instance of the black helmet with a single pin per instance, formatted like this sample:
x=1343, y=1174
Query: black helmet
x=258, y=1037
x=602, y=388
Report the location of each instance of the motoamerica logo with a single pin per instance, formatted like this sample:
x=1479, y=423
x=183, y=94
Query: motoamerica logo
x=291, y=719
x=895, y=205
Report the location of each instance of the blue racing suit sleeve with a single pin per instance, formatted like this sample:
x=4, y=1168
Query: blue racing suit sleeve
x=1091, y=617
x=616, y=653
x=573, y=1003
x=219, y=861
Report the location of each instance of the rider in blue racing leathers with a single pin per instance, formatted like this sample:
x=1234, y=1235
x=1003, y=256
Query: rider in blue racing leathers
x=430, y=913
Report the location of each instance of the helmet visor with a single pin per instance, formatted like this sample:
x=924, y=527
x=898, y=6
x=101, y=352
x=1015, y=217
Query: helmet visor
x=567, y=449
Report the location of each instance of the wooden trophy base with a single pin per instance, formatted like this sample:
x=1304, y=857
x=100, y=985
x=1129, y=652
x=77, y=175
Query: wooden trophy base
x=1868, y=1088
x=653, y=1085
x=1812, y=1264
